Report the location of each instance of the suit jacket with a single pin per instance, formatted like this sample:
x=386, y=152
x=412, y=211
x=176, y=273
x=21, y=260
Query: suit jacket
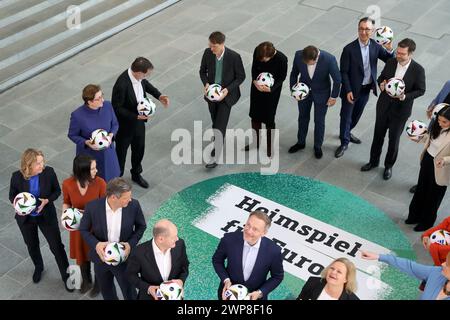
x=352, y=68
x=320, y=84
x=94, y=229
x=442, y=175
x=314, y=286
x=143, y=271
x=414, y=79
x=49, y=189
x=268, y=260
x=124, y=101
x=233, y=73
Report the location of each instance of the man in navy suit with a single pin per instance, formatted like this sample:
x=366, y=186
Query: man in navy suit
x=314, y=67
x=359, y=73
x=250, y=257
x=116, y=218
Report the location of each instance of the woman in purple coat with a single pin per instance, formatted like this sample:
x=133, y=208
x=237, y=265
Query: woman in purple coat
x=95, y=114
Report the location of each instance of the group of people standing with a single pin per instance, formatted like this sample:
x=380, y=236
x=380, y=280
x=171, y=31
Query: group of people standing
x=111, y=215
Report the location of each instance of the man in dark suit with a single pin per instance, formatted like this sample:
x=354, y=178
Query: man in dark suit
x=250, y=257
x=161, y=259
x=221, y=65
x=392, y=113
x=359, y=73
x=116, y=218
x=314, y=68
x=130, y=88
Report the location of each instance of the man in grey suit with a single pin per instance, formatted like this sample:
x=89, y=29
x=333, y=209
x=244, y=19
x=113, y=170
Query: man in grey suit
x=221, y=65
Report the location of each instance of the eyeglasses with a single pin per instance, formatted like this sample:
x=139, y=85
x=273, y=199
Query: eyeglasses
x=364, y=29
x=98, y=99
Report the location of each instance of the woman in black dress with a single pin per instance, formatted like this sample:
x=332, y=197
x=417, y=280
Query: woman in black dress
x=264, y=99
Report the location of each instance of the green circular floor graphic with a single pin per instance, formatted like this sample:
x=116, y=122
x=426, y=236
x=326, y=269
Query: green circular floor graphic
x=313, y=222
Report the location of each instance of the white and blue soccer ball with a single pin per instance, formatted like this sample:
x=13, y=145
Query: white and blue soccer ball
x=300, y=91
x=265, y=79
x=146, y=107
x=416, y=128
x=169, y=290
x=384, y=35
x=438, y=108
x=441, y=237
x=71, y=219
x=100, y=139
x=214, y=92
x=395, y=87
x=237, y=292
x=115, y=253
x=24, y=203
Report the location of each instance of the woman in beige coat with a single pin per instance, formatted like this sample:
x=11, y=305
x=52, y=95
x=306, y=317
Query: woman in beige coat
x=434, y=176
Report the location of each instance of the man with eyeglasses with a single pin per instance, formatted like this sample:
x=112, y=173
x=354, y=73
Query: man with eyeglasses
x=130, y=89
x=359, y=73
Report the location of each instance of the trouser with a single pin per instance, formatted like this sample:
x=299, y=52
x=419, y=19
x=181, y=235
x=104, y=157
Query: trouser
x=136, y=138
x=51, y=232
x=256, y=126
x=351, y=113
x=105, y=275
x=304, y=110
x=220, y=114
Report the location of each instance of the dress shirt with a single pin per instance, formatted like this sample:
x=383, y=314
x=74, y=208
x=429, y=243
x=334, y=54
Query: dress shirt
x=312, y=67
x=163, y=261
x=249, y=255
x=401, y=70
x=137, y=87
x=113, y=223
x=365, y=53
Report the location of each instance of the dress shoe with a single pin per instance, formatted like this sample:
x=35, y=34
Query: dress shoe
x=387, y=173
x=37, y=274
x=354, y=139
x=318, y=153
x=410, y=221
x=421, y=227
x=413, y=189
x=211, y=165
x=95, y=290
x=140, y=181
x=340, y=151
x=213, y=152
x=68, y=289
x=296, y=147
x=368, y=166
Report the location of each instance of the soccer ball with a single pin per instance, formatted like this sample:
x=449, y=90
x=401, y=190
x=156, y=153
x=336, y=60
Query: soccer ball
x=114, y=253
x=100, y=139
x=440, y=237
x=438, y=108
x=24, y=203
x=395, y=87
x=416, y=128
x=265, y=79
x=71, y=219
x=214, y=92
x=169, y=290
x=300, y=91
x=383, y=35
x=237, y=292
x=146, y=107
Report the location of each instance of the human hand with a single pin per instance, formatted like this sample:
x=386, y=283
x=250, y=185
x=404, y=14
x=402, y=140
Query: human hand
x=164, y=100
x=223, y=94
x=388, y=46
x=350, y=97
x=255, y=295
x=91, y=145
x=152, y=291
x=331, y=102
x=127, y=248
x=43, y=203
x=100, y=249
x=426, y=243
x=205, y=89
x=226, y=285
x=367, y=255
x=382, y=85
x=440, y=163
x=141, y=117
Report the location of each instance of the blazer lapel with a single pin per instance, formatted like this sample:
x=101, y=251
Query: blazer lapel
x=123, y=224
x=410, y=71
x=150, y=255
x=173, y=256
x=318, y=66
x=359, y=55
x=224, y=65
x=102, y=213
x=443, y=145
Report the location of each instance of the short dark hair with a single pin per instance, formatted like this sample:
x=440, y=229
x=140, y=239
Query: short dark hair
x=82, y=169
x=264, y=50
x=309, y=53
x=408, y=43
x=117, y=187
x=141, y=64
x=365, y=19
x=262, y=216
x=217, y=37
x=89, y=92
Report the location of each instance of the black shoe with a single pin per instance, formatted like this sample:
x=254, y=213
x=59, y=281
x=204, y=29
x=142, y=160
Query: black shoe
x=318, y=153
x=247, y=148
x=368, y=166
x=211, y=165
x=340, y=151
x=413, y=189
x=140, y=181
x=421, y=227
x=68, y=289
x=410, y=221
x=296, y=147
x=354, y=139
x=37, y=274
x=213, y=152
x=387, y=173
x=95, y=290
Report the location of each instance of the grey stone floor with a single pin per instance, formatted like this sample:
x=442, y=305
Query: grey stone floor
x=36, y=112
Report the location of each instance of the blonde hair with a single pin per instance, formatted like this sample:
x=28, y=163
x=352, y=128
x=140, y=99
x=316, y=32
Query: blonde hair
x=29, y=157
x=350, y=286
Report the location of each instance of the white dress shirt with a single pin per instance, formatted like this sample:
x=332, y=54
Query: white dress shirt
x=163, y=261
x=137, y=87
x=249, y=255
x=401, y=70
x=365, y=53
x=221, y=56
x=312, y=67
x=325, y=296
x=113, y=223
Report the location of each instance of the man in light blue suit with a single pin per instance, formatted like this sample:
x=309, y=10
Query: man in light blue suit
x=359, y=74
x=314, y=68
